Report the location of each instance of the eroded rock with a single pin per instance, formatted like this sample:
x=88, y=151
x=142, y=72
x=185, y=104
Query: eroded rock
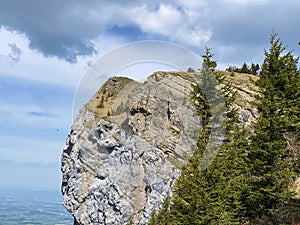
x=126, y=148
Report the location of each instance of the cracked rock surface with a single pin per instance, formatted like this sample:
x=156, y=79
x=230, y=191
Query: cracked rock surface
x=120, y=168
x=126, y=147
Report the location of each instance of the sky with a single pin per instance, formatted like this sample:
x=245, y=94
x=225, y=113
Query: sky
x=47, y=47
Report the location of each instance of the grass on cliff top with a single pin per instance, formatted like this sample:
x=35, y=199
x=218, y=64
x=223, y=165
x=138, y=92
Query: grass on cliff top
x=102, y=102
x=106, y=105
x=243, y=83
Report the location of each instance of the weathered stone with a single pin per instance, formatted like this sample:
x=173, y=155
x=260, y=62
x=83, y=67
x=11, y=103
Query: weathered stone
x=119, y=168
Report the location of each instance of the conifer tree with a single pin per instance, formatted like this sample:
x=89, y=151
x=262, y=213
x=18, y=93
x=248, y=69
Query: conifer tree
x=246, y=183
x=278, y=105
x=213, y=195
x=254, y=69
x=245, y=68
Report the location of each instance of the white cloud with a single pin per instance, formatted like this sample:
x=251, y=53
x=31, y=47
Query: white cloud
x=246, y=2
x=179, y=21
x=180, y=26
x=10, y=37
x=195, y=4
x=194, y=37
x=163, y=21
x=35, y=66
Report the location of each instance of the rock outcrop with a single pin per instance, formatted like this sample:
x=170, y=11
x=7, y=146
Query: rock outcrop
x=127, y=144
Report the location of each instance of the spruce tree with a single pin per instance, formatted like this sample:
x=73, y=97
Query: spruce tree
x=278, y=105
x=245, y=68
x=213, y=195
x=254, y=69
x=246, y=183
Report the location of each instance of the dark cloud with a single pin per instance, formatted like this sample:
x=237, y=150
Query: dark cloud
x=242, y=32
x=54, y=27
x=15, y=52
x=249, y=24
x=65, y=29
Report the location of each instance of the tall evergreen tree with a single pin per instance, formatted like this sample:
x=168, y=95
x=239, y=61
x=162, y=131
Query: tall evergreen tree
x=254, y=69
x=245, y=68
x=278, y=105
x=213, y=195
x=244, y=183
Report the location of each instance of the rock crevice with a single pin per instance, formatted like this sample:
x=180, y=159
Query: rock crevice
x=119, y=167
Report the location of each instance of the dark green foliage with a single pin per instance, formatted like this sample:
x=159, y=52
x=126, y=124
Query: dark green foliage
x=213, y=195
x=272, y=168
x=249, y=180
x=245, y=69
x=163, y=217
x=207, y=60
x=253, y=69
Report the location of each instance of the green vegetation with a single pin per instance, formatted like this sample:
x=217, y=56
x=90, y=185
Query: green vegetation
x=101, y=103
x=250, y=179
x=213, y=195
x=253, y=69
x=272, y=167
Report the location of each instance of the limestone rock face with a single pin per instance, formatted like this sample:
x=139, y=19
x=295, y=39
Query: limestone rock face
x=126, y=146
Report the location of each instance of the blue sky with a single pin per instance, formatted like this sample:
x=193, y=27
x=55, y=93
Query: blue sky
x=47, y=46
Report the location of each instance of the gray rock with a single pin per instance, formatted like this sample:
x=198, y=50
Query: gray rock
x=118, y=169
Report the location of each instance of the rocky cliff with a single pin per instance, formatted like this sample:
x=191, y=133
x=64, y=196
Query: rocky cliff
x=127, y=144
